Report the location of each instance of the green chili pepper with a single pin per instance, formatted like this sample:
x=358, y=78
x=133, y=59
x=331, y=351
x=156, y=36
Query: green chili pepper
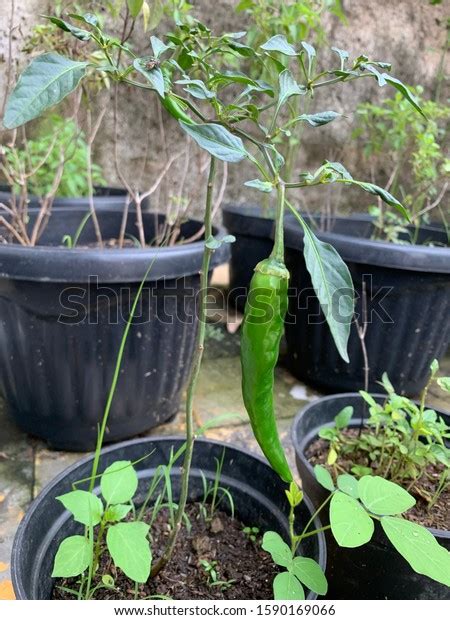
x=174, y=108
x=261, y=333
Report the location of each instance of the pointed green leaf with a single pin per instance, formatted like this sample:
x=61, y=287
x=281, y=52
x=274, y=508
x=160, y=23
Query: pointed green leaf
x=333, y=286
x=383, y=497
x=117, y=512
x=324, y=478
x=278, y=549
x=286, y=587
x=146, y=66
x=310, y=574
x=262, y=186
x=279, y=43
x=348, y=484
x=78, y=33
x=404, y=90
x=385, y=196
x=119, y=482
x=158, y=46
x=217, y=140
x=130, y=549
x=419, y=548
x=350, y=523
x=44, y=83
x=86, y=507
x=343, y=417
x=288, y=87
x=318, y=119
x=72, y=558
x=135, y=6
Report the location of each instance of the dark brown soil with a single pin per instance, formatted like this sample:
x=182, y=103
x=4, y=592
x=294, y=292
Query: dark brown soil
x=239, y=561
x=438, y=516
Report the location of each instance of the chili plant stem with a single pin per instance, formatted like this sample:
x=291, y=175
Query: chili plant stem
x=190, y=437
x=278, y=247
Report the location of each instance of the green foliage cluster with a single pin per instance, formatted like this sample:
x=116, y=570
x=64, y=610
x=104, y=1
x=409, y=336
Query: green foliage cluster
x=400, y=441
x=412, y=151
x=39, y=159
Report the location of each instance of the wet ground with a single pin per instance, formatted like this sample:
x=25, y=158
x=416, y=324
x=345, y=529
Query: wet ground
x=26, y=465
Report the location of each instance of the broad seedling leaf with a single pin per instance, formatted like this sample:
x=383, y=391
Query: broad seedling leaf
x=130, y=549
x=348, y=484
x=286, y=587
x=383, y=497
x=278, y=549
x=86, y=507
x=350, y=523
x=44, y=83
x=324, y=478
x=310, y=574
x=119, y=482
x=72, y=558
x=419, y=548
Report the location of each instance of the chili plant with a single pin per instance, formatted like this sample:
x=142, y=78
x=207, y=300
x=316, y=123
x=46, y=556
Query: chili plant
x=235, y=118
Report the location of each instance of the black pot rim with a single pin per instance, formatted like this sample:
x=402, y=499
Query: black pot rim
x=21, y=530
x=300, y=446
x=379, y=253
x=77, y=265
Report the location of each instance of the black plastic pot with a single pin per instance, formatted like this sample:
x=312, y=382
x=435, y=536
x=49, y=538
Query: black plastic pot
x=104, y=198
x=408, y=298
x=63, y=312
x=376, y=570
x=252, y=227
x=258, y=494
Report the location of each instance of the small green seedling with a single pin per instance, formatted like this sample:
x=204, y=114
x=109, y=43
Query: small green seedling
x=251, y=532
x=210, y=568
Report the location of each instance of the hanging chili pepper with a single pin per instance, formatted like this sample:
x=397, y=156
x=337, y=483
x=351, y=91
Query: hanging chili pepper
x=261, y=333
x=175, y=109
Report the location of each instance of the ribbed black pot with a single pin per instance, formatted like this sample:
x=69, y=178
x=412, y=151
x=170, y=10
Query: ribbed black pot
x=252, y=227
x=408, y=298
x=104, y=198
x=63, y=312
x=376, y=570
x=258, y=494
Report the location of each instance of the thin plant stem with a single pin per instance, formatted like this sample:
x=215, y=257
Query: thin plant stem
x=190, y=437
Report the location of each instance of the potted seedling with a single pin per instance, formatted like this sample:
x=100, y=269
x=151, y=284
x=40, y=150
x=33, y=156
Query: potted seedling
x=252, y=224
x=403, y=268
x=187, y=72
x=351, y=438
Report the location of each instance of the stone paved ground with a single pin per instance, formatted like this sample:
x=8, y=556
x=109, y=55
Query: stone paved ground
x=26, y=465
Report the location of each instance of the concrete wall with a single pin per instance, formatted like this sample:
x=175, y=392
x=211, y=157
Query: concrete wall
x=409, y=33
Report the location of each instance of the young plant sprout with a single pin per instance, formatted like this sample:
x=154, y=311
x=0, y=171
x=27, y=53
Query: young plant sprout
x=236, y=117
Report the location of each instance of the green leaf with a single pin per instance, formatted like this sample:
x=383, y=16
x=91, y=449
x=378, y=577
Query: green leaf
x=419, y=548
x=117, y=512
x=197, y=89
x=79, y=33
x=343, y=55
x=444, y=383
x=311, y=53
x=383, y=497
x=279, y=43
x=310, y=574
x=262, y=186
x=343, y=417
x=278, y=549
x=213, y=244
x=158, y=46
x=404, y=90
x=286, y=587
x=119, y=482
x=154, y=75
x=217, y=140
x=135, y=6
x=86, y=507
x=348, y=484
x=72, y=558
x=130, y=549
x=318, y=119
x=44, y=83
x=288, y=87
x=323, y=477
x=333, y=286
x=385, y=196
x=350, y=523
